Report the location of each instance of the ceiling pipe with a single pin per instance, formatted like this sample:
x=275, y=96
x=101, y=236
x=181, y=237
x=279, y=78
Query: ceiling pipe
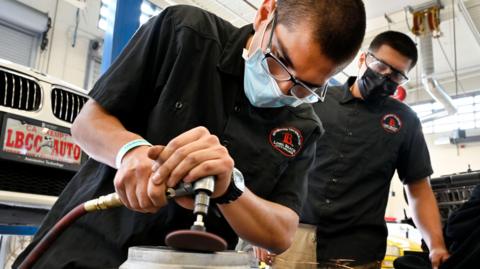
x=426, y=21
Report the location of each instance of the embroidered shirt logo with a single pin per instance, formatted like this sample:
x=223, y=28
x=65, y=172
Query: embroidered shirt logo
x=391, y=123
x=287, y=141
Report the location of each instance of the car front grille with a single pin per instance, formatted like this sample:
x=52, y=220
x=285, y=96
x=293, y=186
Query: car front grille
x=19, y=92
x=66, y=105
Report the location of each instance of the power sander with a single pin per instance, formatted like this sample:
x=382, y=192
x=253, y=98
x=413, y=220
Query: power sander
x=197, y=238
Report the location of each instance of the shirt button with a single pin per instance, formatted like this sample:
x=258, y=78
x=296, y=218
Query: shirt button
x=327, y=201
x=178, y=105
x=236, y=109
x=225, y=142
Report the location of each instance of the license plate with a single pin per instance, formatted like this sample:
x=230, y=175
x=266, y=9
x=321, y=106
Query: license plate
x=40, y=144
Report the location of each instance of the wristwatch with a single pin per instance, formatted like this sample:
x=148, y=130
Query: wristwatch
x=234, y=190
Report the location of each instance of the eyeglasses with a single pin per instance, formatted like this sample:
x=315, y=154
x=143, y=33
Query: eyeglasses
x=278, y=71
x=385, y=69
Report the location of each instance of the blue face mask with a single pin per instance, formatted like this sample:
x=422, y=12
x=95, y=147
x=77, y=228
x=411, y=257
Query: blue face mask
x=260, y=88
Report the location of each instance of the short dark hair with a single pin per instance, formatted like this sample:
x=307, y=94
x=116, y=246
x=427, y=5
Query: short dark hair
x=339, y=25
x=397, y=41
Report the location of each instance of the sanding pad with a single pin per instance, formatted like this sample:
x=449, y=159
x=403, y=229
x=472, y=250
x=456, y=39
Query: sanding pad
x=192, y=240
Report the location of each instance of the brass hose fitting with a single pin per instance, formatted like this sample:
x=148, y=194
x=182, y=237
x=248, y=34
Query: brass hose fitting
x=103, y=202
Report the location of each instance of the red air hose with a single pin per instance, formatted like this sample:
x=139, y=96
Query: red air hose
x=48, y=239
x=101, y=203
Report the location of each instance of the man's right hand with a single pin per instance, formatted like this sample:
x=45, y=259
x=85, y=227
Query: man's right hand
x=133, y=185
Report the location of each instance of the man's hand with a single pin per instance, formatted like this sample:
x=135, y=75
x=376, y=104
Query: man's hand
x=132, y=182
x=191, y=156
x=426, y=216
x=438, y=256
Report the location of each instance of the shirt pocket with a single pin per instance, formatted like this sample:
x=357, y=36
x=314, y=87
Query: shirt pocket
x=260, y=164
x=380, y=153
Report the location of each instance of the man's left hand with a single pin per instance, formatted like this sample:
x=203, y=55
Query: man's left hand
x=191, y=156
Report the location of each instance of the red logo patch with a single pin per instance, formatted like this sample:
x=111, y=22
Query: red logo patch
x=391, y=123
x=288, y=140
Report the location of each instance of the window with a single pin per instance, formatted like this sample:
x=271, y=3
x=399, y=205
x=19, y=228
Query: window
x=467, y=116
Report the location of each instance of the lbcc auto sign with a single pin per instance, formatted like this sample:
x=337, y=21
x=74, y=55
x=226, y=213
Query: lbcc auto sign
x=39, y=143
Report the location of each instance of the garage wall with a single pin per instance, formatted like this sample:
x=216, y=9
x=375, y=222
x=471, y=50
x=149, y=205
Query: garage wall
x=446, y=159
x=60, y=59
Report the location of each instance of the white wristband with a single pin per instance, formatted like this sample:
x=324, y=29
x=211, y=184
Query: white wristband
x=127, y=147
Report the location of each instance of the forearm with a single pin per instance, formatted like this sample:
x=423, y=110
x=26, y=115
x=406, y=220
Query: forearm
x=262, y=223
x=426, y=214
x=100, y=134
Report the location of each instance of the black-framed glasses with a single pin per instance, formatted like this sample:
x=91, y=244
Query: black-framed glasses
x=385, y=69
x=278, y=71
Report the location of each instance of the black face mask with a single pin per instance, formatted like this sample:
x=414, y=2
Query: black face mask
x=374, y=86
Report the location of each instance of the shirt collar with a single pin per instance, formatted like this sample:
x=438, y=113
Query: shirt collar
x=231, y=61
x=347, y=94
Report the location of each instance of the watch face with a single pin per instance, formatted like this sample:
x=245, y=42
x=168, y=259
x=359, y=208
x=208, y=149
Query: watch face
x=238, y=179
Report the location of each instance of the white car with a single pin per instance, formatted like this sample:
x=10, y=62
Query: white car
x=37, y=154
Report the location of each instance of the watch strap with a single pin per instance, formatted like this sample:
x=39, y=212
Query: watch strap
x=231, y=194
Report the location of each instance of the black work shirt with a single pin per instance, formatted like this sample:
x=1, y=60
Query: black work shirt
x=363, y=145
x=183, y=69
x=462, y=234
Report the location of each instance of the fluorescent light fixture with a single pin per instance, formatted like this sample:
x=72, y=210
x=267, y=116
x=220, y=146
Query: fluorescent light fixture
x=467, y=125
x=466, y=109
x=428, y=124
x=466, y=117
x=434, y=116
x=443, y=140
x=428, y=130
x=437, y=106
x=477, y=99
x=445, y=128
x=463, y=101
x=423, y=107
x=423, y=113
x=444, y=120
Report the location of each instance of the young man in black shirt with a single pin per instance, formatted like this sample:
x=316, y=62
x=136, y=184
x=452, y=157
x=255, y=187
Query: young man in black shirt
x=368, y=135
x=181, y=84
